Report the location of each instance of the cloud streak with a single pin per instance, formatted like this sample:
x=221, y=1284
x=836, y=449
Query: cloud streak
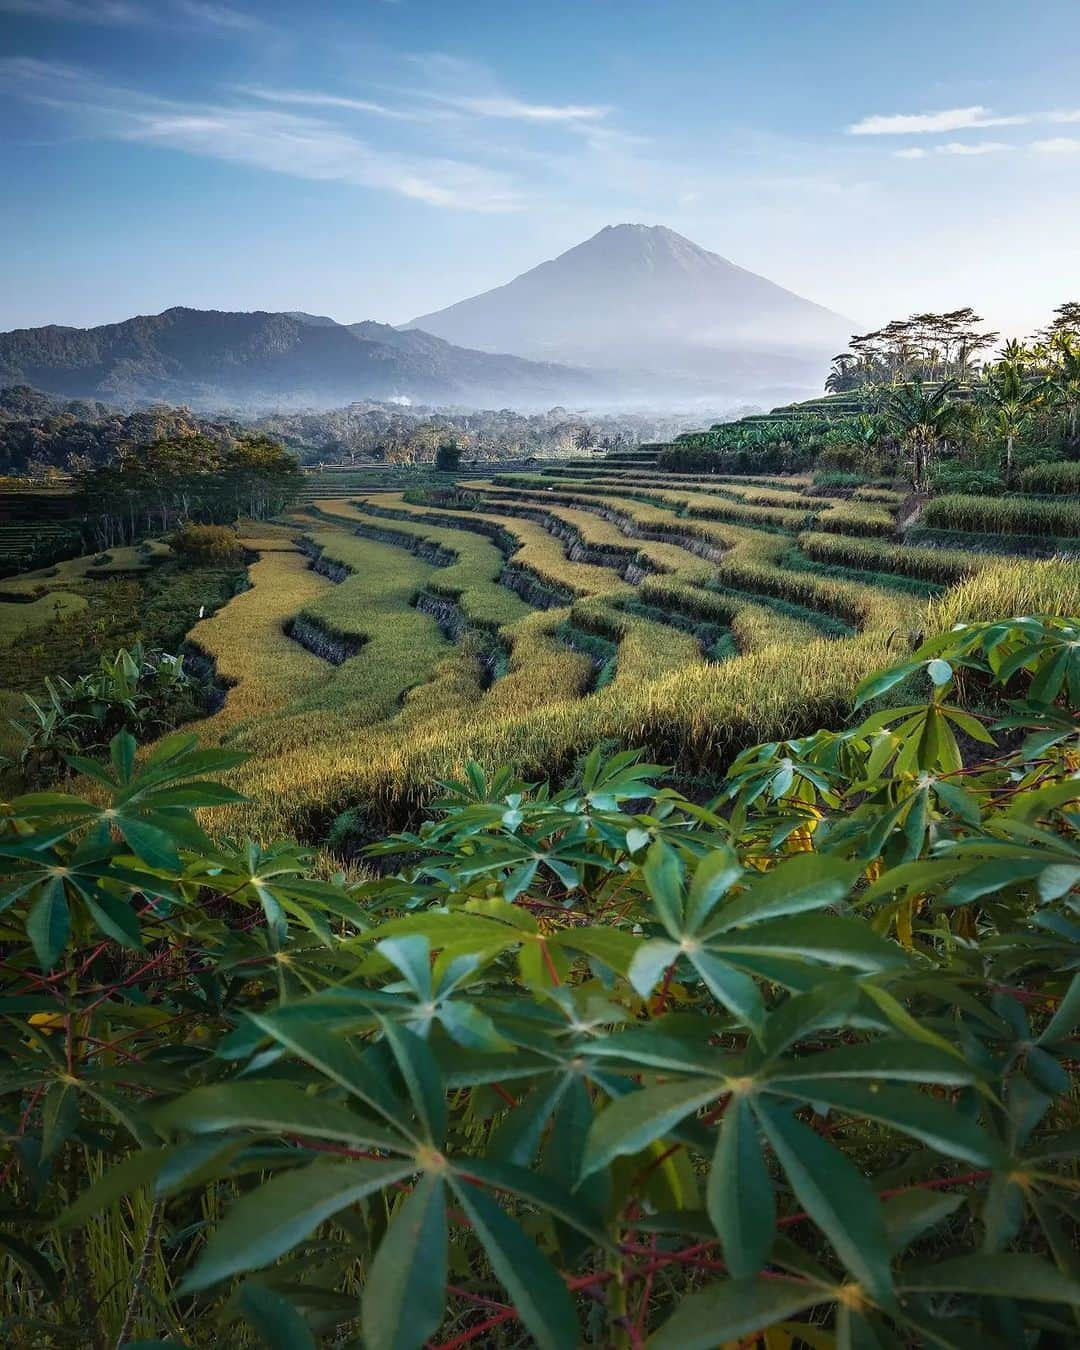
x=928, y=123
x=1057, y=145
x=258, y=137
x=953, y=119
x=201, y=14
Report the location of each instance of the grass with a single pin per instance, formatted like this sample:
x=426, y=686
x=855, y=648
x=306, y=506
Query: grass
x=856, y=517
x=689, y=617
x=537, y=551
x=752, y=563
x=1047, y=587
x=942, y=566
x=1062, y=476
x=132, y=560
x=1003, y=515
x=20, y=617
x=246, y=640
x=469, y=578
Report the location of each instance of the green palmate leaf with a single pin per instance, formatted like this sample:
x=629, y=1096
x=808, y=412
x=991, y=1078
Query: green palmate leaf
x=734, y=1309
x=423, y=1080
x=994, y=1275
x=925, y=1118
x=334, y=1057
x=278, y=1325
x=269, y=1221
x=537, y=1290
x=59, y=1117
x=903, y=1021
x=154, y=846
x=634, y=1121
x=836, y=1196
x=835, y=941
x=48, y=925
x=808, y=881
x=912, y=1213
x=650, y=961
x=663, y=875
x=830, y=1003
x=613, y=946
x=901, y=1060
x=405, y=1290
x=731, y=988
x=714, y=876
x=275, y=1108
x=545, y=1192
x=115, y=918
x=740, y=1196
x=1067, y=1016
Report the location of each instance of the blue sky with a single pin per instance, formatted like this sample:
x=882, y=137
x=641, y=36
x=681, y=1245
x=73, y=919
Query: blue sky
x=381, y=158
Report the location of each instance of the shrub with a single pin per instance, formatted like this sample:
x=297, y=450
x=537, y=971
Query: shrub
x=208, y=543
x=1063, y=476
x=144, y=692
x=950, y=476
x=694, y=1070
x=448, y=456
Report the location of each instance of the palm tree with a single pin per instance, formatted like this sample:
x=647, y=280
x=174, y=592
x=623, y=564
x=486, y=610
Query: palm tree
x=1063, y=380
x=1010, y=396
x=922, y=417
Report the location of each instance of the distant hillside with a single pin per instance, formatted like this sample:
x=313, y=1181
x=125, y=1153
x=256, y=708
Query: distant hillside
x=660, y=310
x=211, y=359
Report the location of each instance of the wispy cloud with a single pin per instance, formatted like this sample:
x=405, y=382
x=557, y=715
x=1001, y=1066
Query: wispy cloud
x=949, y=119
x=77, y=11
x=1057, y=145
x=205, y=14
x=970, y=148
x=314, y=99
x=952, y=148
x=953, y=119
x=212, y=15
x=265, y=138
x=516, y=110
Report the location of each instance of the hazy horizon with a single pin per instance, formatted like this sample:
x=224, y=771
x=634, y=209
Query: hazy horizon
x=388, y=160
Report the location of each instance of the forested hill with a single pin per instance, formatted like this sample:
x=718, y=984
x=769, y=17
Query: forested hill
x=212, y=358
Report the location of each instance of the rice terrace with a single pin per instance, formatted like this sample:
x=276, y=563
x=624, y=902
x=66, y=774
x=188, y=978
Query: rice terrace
x=554, y=822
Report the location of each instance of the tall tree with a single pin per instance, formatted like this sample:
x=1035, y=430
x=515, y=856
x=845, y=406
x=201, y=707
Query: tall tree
x=922, y=417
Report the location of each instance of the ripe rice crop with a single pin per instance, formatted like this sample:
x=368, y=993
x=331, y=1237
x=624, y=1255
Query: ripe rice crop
x=856, y=517
x=939, y=565
x=470, y=579
x=1009, y=590
x=1004, y=515
x=263, y=667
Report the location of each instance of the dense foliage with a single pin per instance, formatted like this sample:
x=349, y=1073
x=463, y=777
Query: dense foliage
x=796, y=1059
x=142, y=692
x=913, y=398
x=39, y=432
x=187, y=479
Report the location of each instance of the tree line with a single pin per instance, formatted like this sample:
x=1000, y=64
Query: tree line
x=151, y=489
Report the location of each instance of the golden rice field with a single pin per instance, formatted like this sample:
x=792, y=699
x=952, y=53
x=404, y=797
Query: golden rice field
x=523, y=618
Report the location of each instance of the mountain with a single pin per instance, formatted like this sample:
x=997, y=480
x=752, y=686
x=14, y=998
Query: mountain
x=665, y=313
x=214, y=359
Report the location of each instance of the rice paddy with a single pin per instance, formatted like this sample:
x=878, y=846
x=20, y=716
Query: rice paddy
x=388, y=636
x=523, y=617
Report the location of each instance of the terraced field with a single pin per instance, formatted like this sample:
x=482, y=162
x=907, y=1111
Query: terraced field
x=523, y=617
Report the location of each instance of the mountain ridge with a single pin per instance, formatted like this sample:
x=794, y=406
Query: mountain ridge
x=267, y=358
